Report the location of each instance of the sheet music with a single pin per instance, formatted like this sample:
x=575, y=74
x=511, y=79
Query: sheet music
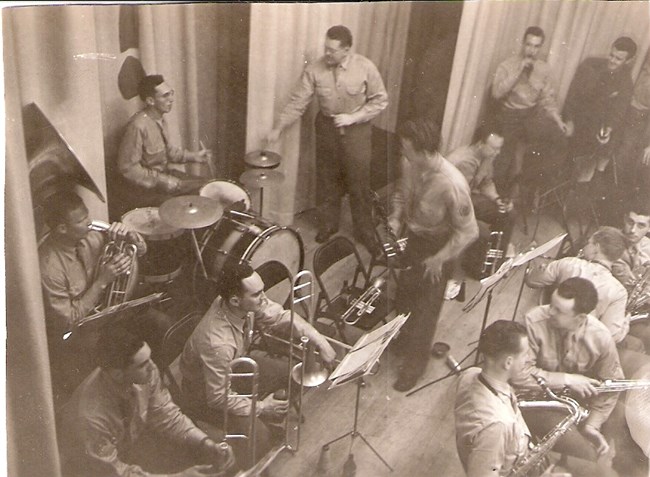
x=366, y=351
x=508, y=265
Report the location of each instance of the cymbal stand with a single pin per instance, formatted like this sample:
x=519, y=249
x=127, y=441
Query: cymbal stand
x=199, y=257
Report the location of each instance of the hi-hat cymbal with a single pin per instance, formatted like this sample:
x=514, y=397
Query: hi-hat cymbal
x=257, y=178
x=190, y=211
x=263, y=158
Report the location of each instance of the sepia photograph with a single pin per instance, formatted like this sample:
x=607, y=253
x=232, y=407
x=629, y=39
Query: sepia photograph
x=373, y=239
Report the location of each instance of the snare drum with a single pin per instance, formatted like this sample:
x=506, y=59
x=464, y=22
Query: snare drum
x=165, y=251
x=226, y=193
x=248, y=238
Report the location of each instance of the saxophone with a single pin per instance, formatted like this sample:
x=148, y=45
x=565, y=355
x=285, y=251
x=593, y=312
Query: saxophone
x=606, y=386
x=532, y=460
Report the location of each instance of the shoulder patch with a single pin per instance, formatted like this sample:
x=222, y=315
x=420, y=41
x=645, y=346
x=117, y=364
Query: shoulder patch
x=463, y=210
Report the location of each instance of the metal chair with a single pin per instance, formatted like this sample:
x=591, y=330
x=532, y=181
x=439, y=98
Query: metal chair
x=333, y=305
x=172, y=346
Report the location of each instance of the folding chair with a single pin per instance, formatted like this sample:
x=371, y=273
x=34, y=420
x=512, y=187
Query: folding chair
x=332, y=306
x=172, y=346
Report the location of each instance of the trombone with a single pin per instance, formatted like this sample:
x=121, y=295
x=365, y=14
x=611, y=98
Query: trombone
x=251, y=373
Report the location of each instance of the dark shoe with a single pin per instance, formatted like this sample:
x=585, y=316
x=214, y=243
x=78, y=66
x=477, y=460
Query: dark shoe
x=324, y=235
x=405, y=382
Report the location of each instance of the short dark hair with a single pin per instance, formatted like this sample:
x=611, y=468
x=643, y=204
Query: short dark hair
x=627, y=44
x=639, y=205
x=57, y=207
x=612, y=242
x=147, y=86
x=485, y=130
x=116, y=347
x=231, y=279
x=535, y=31
x=582, y=291
x=424, y=133
x=503, y=337
x=340, y=33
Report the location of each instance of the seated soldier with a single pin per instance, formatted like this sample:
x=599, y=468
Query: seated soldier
x=570, y=348
x=147, y=153
x=224, y=334
x=493, y=212
x=633, y=268
x=604, y=247
x=121, y=421
x=491, y=434
x=74, y=282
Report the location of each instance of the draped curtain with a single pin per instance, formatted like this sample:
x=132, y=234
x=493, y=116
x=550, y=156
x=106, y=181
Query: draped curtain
x=284, y=38
x=490, y=31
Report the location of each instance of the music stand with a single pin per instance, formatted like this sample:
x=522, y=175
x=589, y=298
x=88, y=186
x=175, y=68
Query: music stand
x=360, y=361
x=487, y=286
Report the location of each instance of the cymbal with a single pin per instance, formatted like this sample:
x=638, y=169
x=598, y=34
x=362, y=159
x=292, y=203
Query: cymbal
x=190, y=211
x=263, y=158
x=257, y=178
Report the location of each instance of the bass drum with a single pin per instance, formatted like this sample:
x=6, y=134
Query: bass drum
x=242, y=237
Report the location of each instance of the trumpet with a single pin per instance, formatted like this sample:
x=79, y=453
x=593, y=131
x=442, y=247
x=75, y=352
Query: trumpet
x=364, y=303
x=122, y=288
x=493, y=255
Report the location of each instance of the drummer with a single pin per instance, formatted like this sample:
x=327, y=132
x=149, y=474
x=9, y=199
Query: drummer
x=146, y=151
x=74, y=281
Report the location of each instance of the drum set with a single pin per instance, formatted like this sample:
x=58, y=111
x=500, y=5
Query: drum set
x=222, y=227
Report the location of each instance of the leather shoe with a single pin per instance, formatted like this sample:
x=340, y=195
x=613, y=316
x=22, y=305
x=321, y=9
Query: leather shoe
x=405, y=382
x=324, y=235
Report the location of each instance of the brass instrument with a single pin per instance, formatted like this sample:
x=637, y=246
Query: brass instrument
x=121, y=289
x=393, y=246
x=363, y=304
x=493, y=255
x=535, y=457
x=252, y=373
x=639, y=297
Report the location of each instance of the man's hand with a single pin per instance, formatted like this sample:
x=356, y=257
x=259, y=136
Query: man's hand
x=394, y=226
x=117, y=231
x=221, y=455
x=274, y=407
x=433, y=269
x=343, y=119
x=570, y=128
x=646, y=157
x=113, y=268
x=272, y=137
x=202, y=156
x=504, y=205
x=327, y=353
x=527, y=66
x=594, y=436
x=582, y=385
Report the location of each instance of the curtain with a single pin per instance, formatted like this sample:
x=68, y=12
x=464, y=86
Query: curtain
x=283, y=39
x=31, y=434
x=491, y=31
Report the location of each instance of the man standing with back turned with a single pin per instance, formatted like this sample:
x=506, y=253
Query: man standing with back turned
x=350, y=93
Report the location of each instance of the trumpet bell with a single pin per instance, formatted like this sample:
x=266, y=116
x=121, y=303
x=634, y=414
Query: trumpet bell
x=312, y=377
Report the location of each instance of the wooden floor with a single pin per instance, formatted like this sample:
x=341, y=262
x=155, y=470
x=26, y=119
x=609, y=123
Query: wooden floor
x=414, y=434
